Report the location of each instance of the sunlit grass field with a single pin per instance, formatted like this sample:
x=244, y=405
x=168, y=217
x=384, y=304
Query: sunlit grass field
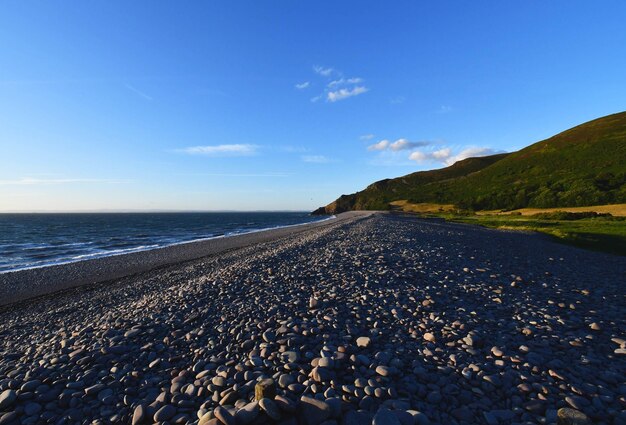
x=618, y=210
x=606, y=234
x=576, y=226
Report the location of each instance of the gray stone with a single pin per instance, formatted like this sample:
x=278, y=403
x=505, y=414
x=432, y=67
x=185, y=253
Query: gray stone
x=434, y=397
x=247, y=413
x=132, y=333
x=385, y=417
x=577, y=402
x=164, y=413
x=8, y=418
x=269, y=336
x=7, y=398
x=270, y=408
x=430, y=337
x=94, y=389
x=383, y=370
x=285, y=404
x=224, y=416
x=313, y=411
x=285, y=380
x=356, y=418
x=326, y=362
x=567, y=416
x=32, y=408
x=139, y=415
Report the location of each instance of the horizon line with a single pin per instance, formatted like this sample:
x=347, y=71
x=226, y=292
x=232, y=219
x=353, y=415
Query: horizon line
x=159, y=210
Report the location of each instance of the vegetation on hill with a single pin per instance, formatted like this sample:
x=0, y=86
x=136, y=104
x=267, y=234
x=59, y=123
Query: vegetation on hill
x=585, y=165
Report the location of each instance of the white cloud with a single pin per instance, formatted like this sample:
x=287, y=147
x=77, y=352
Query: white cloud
x=470, y=152
x=345, y=81
x=339, y=88
x=303, y=86
x=324, y=72
x=27, y=181
x=404, y=144
x=292, y=149
x=398, y=145
x=367, y=137
x=317, y=159
x=444, y=109
x=333, y=96
x=418, y=156
x=380, y=146
x=221, y=150
x=442, y=153
x=391, y=153
x=446, y=156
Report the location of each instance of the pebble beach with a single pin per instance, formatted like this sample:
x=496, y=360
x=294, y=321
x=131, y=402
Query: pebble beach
x=366, y=319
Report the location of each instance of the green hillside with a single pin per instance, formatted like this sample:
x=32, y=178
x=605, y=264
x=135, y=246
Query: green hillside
x=585, y=165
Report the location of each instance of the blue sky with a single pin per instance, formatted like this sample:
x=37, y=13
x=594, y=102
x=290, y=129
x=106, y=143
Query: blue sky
x=283, y=105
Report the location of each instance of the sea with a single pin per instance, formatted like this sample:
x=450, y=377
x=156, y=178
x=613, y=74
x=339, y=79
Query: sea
x=39, y=240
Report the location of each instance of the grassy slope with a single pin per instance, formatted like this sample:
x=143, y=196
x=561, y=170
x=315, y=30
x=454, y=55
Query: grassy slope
x=419, y=187
x=600, y=234
x=617, y=210
x=559, y=171
x=581, y=166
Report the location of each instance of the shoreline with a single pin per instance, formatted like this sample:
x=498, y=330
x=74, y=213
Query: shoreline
x=23, y=284
x=132, y=250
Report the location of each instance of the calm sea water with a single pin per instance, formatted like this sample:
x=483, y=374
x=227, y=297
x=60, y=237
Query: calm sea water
x=36, y=240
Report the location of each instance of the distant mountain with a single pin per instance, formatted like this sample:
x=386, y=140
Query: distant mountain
x=585, y=165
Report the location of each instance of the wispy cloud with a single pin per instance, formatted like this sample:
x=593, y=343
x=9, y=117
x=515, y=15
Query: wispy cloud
x=367, y=136
x=292, y=149
x=138, y=92
x=336, y=86
x=398, y=145
x=317, y=159
x=27, y=181
x=324, y=72
x=345, y=81
x=334, y=96
x=397, y=100
x=221, y=150
x=303, y=85
x=444, y=109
